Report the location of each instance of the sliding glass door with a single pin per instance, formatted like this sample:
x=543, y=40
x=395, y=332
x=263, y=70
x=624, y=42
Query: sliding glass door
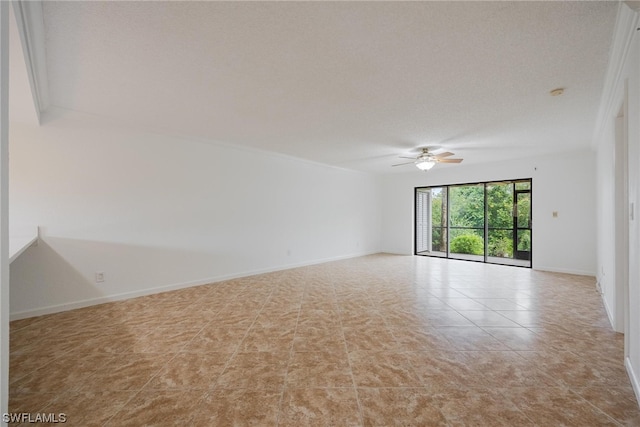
x=487, y=222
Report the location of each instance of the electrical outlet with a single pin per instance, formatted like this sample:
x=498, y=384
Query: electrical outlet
x=99, y=276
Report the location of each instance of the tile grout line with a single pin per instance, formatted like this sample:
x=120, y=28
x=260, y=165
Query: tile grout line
x=353, y=379
x=155, y=375
x=237, y=350
x=137, y=392
x=570, y=389
x=284, y=384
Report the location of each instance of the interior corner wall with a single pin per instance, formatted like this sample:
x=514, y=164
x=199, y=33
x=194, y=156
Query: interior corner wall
x=561, y=183
x=155, y=213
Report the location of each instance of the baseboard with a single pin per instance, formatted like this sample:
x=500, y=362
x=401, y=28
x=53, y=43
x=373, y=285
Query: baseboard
x=172, y=287
x=609, y=312
x=635, y=383
x=565, y=271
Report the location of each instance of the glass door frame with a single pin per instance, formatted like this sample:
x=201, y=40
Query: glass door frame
x=517, y=229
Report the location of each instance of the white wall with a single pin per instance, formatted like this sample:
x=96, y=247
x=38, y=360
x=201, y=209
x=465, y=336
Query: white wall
x=156, y=212
x=605, y=192
x=563, y=183
x=621, y=93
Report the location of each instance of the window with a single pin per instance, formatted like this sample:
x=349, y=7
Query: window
x=487, y=222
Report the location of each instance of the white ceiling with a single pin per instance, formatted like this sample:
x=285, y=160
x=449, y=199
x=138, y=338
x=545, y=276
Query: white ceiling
x=352, y=84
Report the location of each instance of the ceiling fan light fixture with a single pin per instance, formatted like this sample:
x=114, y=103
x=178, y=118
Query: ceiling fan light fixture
x=425, y=165
x=426, y=160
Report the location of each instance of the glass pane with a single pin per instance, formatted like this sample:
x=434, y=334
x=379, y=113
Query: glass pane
x=500, y=243
x=500, y=205
x=439, y=239
x=439, y=221
x=524, y=209
x=524, y=240
x=467, y=243
x=523, y=185
x=438, y=207
x=467, y=206
x=466, y=217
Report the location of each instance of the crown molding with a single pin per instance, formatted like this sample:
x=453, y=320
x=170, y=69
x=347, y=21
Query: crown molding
x=30, y=20
x=624, y=31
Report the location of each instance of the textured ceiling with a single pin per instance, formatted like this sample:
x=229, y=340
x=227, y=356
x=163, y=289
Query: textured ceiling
x=352, y=84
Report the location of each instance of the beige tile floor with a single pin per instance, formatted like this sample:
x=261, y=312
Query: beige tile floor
x=380, y=340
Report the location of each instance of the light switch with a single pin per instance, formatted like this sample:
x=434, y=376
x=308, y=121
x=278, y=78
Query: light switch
x=555, y=214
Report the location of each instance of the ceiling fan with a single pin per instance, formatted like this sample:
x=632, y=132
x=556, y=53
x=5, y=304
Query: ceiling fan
x=427, y=160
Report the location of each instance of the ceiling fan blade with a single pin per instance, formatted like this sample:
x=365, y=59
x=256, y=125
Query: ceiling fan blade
x=441, y=155
x=400, y=164
x=405, y=157
x=449, y=160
